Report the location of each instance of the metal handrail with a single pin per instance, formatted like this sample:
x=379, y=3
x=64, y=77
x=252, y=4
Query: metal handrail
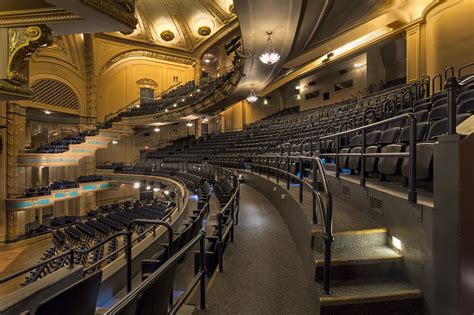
x=326, y=210
x=129, y=241
x=199, y=278
x=412, y=194
x=71, y=252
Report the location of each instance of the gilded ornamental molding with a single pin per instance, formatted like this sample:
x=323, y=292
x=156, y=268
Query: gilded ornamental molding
x=22, y=43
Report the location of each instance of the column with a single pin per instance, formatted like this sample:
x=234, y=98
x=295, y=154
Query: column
x=198, y=128
x=15, y=141
x=414, y=60
x=3, y=171
x=197, y=71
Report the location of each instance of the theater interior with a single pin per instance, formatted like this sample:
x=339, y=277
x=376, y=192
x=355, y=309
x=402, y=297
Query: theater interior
x=236, y=157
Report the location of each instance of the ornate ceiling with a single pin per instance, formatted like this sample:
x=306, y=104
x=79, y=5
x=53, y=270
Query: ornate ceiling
x=180, y=24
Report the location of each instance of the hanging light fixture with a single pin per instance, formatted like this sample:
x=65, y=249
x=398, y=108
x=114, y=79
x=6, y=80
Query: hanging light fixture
x=189, y=124
x=265, y=101
x=252, y=98
x=270, y=56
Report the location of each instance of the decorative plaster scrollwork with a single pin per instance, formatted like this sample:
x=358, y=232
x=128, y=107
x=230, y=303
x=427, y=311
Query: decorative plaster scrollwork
x=22, y=44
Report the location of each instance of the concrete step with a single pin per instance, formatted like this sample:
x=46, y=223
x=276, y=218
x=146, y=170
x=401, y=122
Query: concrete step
x=372, y=296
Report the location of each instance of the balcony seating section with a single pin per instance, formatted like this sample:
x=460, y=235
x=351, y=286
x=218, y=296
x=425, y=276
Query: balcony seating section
x=180, y=97
x=62, y=145
x=84, y=234
x=270, y=135
x=59, y=185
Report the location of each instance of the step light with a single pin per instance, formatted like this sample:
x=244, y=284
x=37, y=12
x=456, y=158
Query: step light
x=396, y=243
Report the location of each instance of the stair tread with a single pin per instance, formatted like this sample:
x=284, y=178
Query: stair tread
x=369, y=290
x=357, y=255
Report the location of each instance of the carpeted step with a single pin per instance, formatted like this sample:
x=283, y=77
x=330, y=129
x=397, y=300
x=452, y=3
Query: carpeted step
x=348, y=239
x=386, y=296
x=359, y=262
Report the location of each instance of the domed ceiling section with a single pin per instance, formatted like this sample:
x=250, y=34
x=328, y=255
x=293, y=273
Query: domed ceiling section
x=180, y=24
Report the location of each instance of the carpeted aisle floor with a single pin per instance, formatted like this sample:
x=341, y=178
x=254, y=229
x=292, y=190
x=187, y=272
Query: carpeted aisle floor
x=263, y=273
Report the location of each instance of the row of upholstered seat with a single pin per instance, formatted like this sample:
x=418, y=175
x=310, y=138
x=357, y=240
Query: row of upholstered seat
x=57, y=185
x=84, y=234
x=62, y=145
x=268, y=133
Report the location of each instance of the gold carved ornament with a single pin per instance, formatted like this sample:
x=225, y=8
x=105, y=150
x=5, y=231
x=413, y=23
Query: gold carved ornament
x=23, y=44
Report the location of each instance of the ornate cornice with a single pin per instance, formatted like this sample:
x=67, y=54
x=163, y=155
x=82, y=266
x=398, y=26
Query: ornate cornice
x=146, y=54
x=35, y=16
x=124, y=13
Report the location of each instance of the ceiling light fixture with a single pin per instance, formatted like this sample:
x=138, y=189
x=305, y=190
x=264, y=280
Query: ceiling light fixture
x=207, y=60
x=205, y=120
x=252, y=98
x=189, y=124
x=114, y=141
x=270, y=56
x=47, y=112
x=157, y=129
x=265, y=101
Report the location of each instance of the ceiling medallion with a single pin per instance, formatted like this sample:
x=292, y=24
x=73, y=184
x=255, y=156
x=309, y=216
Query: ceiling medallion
x=204, y=30
x=167, y=35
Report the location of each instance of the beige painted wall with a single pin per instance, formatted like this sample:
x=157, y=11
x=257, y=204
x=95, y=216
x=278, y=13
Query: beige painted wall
x=450, y=36
x=118, y=69
x=64, y=63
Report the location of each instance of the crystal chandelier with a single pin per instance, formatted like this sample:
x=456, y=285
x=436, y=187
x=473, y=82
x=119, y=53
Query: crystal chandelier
x=269, y=57
x=252, y=98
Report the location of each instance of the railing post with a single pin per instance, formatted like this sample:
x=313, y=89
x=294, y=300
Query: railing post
x=315, y=187
x=328, y=239
x=202, y=262
x=268, y=168
x=277, y=174
x=288, y=168
x=301, y=180
x=412, y=198
x=337, y=156
x=220, y=248
x=451, y=86
x=362, y=160
x=71, y=257
x=129, y=259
